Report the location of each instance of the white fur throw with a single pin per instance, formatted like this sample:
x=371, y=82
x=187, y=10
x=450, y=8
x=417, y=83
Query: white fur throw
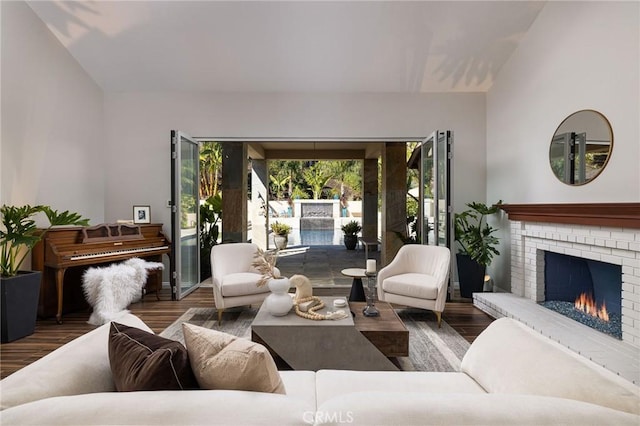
x=110, y=289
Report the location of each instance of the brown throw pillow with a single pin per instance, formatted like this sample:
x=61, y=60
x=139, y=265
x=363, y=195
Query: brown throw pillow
x=223, y=361
x=142, y=361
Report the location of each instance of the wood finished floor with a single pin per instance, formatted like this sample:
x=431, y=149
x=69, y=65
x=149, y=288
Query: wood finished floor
x=49, y=335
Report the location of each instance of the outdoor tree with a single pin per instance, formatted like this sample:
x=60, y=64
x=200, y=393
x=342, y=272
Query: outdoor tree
x=317, y=177
x=210, y=169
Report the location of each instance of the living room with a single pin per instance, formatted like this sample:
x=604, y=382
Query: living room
x=91, y=92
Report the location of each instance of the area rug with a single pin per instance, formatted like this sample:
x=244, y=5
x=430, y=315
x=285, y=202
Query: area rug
x=430, y=348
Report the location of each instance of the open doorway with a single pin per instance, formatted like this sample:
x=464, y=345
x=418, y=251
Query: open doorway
x=311, y=200
x=271, y=196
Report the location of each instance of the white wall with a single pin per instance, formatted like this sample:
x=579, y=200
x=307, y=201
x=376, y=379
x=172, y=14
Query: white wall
x=138, y=127
x=576, y=55
x=52, y=121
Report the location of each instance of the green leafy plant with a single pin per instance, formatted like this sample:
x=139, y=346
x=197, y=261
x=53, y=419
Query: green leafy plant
x=280, y=228
x=351, y=228
x=210, y=214
x=474, y=235
x=20, y=233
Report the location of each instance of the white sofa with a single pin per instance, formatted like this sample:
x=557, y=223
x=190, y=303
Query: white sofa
x=511, y=375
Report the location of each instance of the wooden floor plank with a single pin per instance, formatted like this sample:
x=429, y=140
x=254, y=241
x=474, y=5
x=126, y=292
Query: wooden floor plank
x=49, y=335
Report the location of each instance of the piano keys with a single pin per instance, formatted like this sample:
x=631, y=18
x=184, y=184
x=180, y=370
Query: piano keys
x=66, y=252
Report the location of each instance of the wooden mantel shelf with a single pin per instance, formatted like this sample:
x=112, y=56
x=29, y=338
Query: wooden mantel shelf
x=623, y=215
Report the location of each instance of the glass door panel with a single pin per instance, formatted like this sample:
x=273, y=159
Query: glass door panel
x=435, y=189
x=185, y=269
x=427, y=189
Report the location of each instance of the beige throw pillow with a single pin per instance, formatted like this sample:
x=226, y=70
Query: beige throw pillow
x=223, y=361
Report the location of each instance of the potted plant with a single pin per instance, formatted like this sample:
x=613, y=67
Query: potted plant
x=477, y=246
x=20, y=290
x=280, y=234
x=351, y=230
x=210, y=213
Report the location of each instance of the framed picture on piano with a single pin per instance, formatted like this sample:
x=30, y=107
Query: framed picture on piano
x=141, y=214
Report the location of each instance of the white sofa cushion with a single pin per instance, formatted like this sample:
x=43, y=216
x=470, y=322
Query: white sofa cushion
x=335, y=383
x=78, y=367
x=420, y=286
x=241, y=284
x=420, y=409
x=198, y=407
x=509, y=357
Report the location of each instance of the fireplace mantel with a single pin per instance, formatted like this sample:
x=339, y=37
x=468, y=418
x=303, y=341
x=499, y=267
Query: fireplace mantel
x=624, y=215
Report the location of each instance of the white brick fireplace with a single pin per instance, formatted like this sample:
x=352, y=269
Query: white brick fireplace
x=619, y=246
x=604, y=232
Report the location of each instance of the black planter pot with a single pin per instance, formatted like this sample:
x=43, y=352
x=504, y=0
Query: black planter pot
x=19, y=305
x=470, y=275
x=350, y=242
x=205, y=263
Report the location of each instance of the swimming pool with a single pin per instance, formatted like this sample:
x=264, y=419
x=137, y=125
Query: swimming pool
x=323, y=237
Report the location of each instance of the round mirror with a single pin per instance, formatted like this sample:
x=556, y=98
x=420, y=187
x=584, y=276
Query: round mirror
x=581, y=147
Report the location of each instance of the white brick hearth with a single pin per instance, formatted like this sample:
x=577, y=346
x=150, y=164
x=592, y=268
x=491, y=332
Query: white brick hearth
x=619, y=246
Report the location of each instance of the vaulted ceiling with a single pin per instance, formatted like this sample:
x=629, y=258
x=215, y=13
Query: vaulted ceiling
x=303, y=46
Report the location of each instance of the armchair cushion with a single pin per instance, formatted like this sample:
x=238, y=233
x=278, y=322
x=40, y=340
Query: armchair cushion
x=421, y=286
x=241, y=284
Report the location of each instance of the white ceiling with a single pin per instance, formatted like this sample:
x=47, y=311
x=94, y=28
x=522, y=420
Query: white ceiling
x=303, y=46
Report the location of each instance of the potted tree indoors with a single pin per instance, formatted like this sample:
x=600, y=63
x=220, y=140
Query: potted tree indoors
x=351, y=230
x=20, y=290
x=280, y=234
x=476, y=244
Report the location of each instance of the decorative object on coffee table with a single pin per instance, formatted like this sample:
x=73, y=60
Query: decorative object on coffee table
x=370, y=310
x=303, y=287
x=279, y=302
x=307, y=305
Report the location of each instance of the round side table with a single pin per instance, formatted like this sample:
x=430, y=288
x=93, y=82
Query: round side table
x=357, y=290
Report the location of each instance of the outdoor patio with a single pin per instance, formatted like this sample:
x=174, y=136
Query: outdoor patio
x=322, y=264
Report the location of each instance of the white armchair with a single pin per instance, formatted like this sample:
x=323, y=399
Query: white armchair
x=234, y=279
x=417, y=277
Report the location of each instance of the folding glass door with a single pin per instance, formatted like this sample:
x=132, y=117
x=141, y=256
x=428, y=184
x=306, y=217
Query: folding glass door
x=185, y=202
x=436, y=215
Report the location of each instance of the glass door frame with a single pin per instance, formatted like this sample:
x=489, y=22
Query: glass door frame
x=438, y=149
x=175, y=276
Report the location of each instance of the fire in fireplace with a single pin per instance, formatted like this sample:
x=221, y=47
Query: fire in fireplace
x=585, y=290
x=586, y=304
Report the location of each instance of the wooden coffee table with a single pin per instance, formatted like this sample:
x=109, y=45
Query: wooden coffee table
x=353, y=343
x=387, y=332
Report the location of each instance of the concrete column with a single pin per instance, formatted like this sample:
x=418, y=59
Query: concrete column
x=234, y=192
x=370, y=200
x=394, y=194
x=259, y=179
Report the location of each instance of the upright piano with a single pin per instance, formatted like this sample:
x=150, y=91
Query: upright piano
x=66, y=252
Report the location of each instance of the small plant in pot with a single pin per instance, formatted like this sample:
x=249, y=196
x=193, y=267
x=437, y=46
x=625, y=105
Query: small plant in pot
x=280, y=234
x=351, y=230
x=476, y=246
x=20, y=290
